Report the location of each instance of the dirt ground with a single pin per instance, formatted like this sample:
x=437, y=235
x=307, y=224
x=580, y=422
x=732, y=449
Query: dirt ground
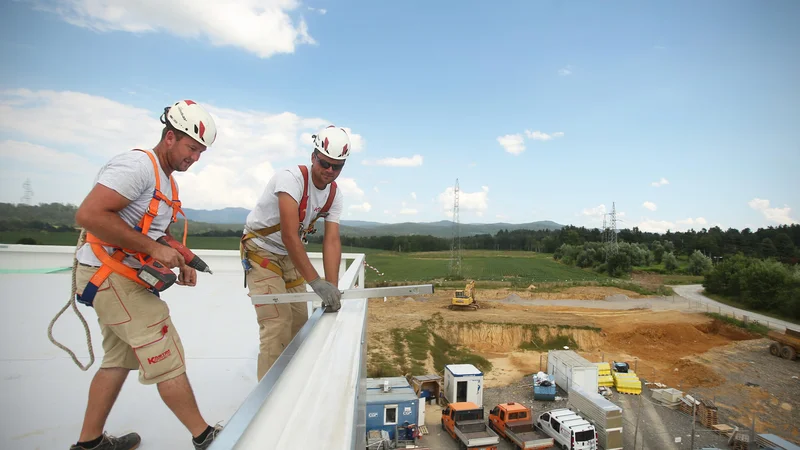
x=688, y=351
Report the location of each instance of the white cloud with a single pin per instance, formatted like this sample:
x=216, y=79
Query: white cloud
x=55, y=176
x=777, y=215
x=513, y=143
x=408, y=211
x=476, y=202
x=350, y=188
x=596, y=212
x=650, y=205
x=500, y=216
x=232, y=172
x=413, y=161
x=659, y=183
x=700, y=221
x=363, y=207
x=656, y=226
x=262, y=27
x=24, y=154
x=375, y=188
x=414, y=195
x=322, y=11
x=540, y=136
x=566, y=71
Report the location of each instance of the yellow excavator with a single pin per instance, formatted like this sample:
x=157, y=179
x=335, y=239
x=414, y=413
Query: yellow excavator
x=465, y=298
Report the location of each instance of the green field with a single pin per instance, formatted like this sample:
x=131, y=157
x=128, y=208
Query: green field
x=516, y=268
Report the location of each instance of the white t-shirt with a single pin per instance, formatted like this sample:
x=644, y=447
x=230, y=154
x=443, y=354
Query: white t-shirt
x=131, y=175
x=266, y=212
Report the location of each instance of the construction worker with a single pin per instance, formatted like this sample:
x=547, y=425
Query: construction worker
x=132, y=203
x=273, y=254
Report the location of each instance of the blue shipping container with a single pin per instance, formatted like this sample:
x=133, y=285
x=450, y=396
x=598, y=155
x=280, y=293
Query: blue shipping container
x=386, y=410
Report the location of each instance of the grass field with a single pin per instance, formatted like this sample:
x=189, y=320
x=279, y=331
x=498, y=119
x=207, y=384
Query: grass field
x=514, y=268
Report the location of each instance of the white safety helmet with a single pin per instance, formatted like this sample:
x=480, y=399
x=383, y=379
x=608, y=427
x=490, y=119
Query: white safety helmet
x=190, y=118
x=333, y=142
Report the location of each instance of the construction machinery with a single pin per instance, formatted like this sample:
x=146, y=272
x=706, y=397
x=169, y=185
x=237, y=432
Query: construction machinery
x=514, y=422
x=786, y=344
x=465, y=298
x=465, y=423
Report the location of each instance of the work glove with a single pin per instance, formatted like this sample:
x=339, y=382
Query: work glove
x=331, y=297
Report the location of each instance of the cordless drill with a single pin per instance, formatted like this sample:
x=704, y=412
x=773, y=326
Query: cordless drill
x=161, y=277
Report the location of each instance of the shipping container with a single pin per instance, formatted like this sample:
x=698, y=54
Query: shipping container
x=463, y=383
x=600, y=412
x=391, y=402
x=567, y=367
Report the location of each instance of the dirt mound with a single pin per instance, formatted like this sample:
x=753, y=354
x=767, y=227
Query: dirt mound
x=693, y=374
x=666, y=342
x=727, y=330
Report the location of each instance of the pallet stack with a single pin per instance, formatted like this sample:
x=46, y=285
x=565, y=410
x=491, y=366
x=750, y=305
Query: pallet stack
x=741, y=441
x=707, y=413
x=685, y=405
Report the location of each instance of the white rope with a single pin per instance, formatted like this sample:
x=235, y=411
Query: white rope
x=71, y=302
x=373, y=268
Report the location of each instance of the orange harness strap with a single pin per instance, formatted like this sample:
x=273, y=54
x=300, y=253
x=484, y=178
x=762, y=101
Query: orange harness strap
x=113, y=263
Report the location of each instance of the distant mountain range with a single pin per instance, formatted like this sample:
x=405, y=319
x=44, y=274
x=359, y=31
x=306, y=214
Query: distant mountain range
x=235, y=217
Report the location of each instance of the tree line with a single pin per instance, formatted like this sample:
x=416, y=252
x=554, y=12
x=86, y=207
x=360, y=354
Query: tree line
x=781, y=242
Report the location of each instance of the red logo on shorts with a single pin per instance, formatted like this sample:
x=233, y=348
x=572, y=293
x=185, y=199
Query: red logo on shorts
x=158, y=358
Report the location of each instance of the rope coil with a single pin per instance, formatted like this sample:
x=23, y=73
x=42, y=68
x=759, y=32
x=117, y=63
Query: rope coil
x=72, y=302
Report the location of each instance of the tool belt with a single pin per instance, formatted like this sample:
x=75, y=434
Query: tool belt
x=249, y=256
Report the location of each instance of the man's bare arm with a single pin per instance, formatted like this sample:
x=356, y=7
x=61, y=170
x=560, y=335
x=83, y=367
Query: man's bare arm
x=331, y=252
x=98, y=215
x=290, y=224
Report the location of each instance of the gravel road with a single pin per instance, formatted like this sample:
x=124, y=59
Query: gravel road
x=693, y=292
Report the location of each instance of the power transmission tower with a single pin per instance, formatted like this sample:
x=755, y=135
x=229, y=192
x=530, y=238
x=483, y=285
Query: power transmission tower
x=613, y=225
x=28, y=196
x=610, y=232
x=455, y=246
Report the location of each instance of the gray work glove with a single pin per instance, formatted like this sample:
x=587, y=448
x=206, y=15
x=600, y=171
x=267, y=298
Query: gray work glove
x=331, y=297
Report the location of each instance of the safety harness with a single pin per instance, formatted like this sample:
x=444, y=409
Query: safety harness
x=265, y=262
x=113, y=263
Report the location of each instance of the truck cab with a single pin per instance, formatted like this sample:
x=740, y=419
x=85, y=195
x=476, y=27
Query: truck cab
x=569, y=430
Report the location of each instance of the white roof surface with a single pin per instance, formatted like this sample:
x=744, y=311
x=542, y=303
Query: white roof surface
x=463, y=369
x=43, y=393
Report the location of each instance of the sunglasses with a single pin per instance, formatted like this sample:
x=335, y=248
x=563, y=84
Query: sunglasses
x=326, y=165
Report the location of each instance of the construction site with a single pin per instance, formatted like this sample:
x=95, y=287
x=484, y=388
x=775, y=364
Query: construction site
x=680, y=357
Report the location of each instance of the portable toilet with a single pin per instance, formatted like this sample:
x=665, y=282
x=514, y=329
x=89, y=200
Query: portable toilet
x=390, y=403
x=463, y=383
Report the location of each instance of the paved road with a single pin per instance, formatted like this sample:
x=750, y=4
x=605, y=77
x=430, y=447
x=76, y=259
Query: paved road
x=693, y=292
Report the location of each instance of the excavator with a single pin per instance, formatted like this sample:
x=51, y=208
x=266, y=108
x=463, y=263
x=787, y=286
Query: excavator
x=464, y=299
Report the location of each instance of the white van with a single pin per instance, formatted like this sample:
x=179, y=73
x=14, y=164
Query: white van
x=569, y=430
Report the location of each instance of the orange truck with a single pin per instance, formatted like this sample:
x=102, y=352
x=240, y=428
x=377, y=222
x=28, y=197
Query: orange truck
x=514, y=422
x=464, y=422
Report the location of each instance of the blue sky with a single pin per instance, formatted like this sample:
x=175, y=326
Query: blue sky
x=685, y=114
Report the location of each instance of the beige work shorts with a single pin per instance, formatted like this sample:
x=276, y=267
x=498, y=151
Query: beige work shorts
x=279, y=323
x=137, y=330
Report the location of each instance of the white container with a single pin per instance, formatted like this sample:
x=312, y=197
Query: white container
x=567, y=367
x=463, y=383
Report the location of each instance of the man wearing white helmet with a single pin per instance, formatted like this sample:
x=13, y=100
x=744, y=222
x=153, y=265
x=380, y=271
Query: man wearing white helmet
x=272, y=250
x=132, y=203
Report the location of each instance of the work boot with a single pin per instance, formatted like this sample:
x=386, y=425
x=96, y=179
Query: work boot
x=107, y=442
x=209, y=438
